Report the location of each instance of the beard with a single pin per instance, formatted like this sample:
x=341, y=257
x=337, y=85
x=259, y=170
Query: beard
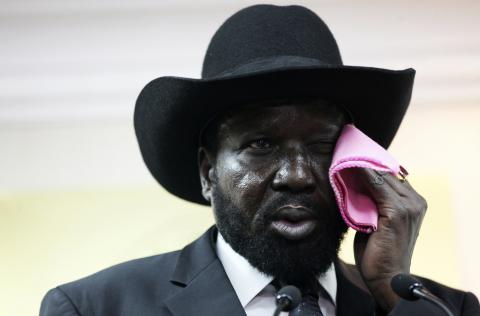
x=296, y=262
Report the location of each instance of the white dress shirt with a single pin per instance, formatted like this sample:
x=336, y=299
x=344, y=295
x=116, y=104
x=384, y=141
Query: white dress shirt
x=253, y=287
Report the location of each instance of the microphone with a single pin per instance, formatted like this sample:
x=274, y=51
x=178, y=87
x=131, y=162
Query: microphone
x=409, y=288
x=288, y=297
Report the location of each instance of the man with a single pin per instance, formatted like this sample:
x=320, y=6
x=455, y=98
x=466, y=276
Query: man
x=254, y=139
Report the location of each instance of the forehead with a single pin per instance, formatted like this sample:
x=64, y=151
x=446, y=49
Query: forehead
x=289, y=116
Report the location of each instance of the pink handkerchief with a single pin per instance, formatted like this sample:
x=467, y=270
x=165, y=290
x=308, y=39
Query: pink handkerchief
x=354, y=149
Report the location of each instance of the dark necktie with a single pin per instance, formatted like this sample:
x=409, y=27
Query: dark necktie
x=307, y=307
x=309, y=304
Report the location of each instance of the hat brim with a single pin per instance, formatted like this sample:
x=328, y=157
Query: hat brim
x=171, y=112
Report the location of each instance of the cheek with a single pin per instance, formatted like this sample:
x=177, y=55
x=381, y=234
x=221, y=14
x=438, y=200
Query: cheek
x=244, y=183
x=321, y=164
x=320, y=167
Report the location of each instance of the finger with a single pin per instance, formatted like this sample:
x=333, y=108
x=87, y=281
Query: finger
x=389, y=201
x=376, y=184
x=411, y=198
x=403, y=188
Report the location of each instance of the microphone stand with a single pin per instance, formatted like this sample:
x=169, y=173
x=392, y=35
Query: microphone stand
x=426, y=295
x=409, y=288
x=279, y=309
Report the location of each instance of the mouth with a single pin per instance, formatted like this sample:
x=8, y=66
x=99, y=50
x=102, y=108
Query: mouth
x=293, y=222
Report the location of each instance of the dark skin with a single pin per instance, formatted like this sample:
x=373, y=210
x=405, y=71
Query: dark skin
x=265, y=151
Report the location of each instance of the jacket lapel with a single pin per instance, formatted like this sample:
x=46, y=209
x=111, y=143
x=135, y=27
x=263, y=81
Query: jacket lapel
x=204, y=286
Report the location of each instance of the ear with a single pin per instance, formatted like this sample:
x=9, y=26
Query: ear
x=205, y=167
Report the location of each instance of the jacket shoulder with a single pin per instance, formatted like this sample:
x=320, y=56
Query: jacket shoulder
x=466, y=302
x=463, y=303
x=115, y=289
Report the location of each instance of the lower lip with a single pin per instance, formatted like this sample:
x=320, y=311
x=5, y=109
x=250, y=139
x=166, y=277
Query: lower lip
x=293, y=230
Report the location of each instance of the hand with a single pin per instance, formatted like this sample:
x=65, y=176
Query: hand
x=388, y=251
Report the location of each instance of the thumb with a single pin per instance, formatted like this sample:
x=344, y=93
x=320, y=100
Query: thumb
x=359, y=246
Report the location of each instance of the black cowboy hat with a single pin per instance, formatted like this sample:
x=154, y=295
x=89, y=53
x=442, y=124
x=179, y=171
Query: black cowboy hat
x=261, y=52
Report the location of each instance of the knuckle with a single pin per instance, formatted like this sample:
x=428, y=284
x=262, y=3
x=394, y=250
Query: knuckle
x=423, y=203
x=417, y=213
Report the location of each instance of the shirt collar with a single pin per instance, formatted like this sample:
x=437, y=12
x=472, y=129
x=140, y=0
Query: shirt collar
x=247, y=281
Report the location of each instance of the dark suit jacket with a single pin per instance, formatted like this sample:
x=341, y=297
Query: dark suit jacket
x=193, y=282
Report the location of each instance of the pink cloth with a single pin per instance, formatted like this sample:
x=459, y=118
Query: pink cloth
x=354, y=149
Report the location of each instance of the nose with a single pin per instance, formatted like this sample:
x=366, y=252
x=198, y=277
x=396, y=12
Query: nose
x=294, y=174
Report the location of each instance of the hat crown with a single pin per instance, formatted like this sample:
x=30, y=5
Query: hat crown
x=292, y=34
x=260, y=53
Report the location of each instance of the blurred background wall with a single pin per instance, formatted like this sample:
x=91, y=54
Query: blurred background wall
x=75, y=196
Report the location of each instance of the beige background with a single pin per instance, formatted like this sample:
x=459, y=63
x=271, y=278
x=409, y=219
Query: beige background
x=75, y=196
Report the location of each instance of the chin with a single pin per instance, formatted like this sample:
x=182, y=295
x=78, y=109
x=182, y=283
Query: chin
x=292, y=261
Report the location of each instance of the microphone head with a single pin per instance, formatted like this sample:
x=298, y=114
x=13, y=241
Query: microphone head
x=404, y=284
x=289, y=296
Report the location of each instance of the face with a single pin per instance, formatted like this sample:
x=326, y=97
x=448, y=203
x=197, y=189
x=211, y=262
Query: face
x=268, y=185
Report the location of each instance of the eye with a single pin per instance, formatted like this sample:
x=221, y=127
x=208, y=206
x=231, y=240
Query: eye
x=260, y=144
